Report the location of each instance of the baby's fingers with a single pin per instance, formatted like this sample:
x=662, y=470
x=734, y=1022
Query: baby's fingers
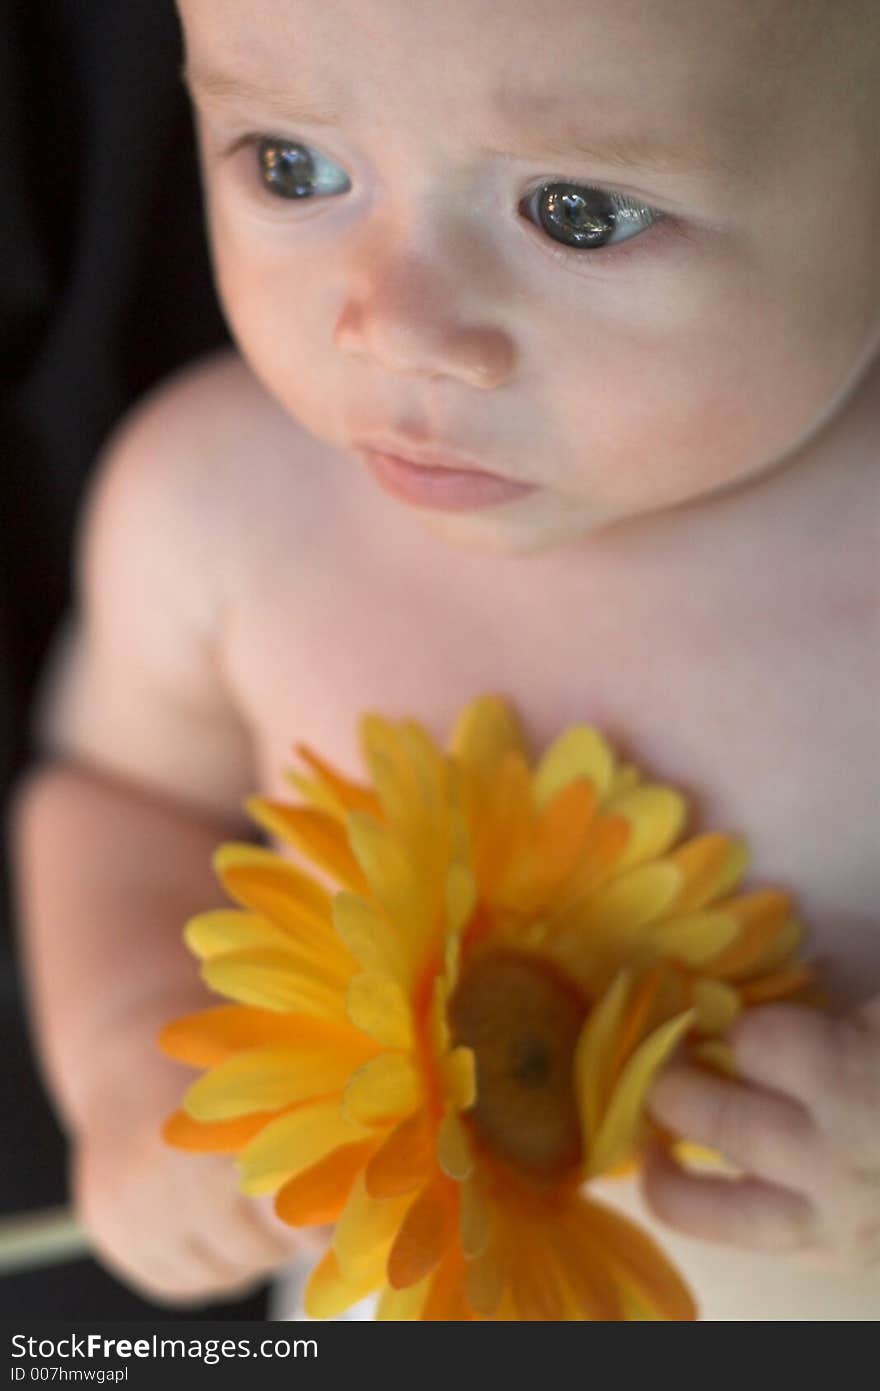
x=769, y=1136
x=740, y=1212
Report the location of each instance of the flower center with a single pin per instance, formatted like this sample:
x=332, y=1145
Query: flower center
x=522, y=1021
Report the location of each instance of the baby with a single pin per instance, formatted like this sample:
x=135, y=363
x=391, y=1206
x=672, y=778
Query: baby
x=558, y=375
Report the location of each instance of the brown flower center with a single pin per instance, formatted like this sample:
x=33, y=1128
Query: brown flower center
x=522, y=1021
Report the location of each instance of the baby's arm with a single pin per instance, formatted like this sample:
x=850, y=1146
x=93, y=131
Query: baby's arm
x=147, y=763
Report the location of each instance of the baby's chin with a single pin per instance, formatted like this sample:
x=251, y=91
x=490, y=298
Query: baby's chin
x=535, y=525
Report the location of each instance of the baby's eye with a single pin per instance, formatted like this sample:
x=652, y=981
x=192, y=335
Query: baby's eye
x=583, y=217
x=291, y=170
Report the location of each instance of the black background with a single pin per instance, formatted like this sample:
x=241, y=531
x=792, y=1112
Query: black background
x=104, y=288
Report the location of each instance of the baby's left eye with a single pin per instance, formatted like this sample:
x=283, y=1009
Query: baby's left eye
x=584, y=217
x=291, y=170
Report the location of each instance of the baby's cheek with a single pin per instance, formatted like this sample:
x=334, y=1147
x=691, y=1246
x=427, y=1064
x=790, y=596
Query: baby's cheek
x=691, y=416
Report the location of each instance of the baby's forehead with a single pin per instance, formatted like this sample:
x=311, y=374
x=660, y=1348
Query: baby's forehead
x=716, y=74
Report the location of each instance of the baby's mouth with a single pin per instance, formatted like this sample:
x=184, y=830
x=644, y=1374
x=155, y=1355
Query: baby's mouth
x=427, y=483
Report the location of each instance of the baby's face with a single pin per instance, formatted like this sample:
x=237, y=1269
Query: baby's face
x=626, y=253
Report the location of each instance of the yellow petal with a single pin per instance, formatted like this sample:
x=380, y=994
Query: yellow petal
x=365, y=1231
x=453, y=1148
x=579, y=753
x=460, y=1078
x=461, y=897
x=384, y=1089
x=655, y=815
x=265, y=1079
x=315, y=832
x=295, y=1142
x=403, y=1306
x=594, y=1054
x=716, y=1054
x=475, y=1219
x=370, y=938
x=391, y=772
x=631, y=900
x=717, y=1006
x=699, y=1158
x=278, y=980
x=486, y=730
x=619, y=1127
x=377, y=1005
x=329, y=1292
x=229, y=929
x=696, y=939
x=393, y=882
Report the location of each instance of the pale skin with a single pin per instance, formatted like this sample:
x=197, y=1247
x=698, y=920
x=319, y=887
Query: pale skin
x=695, y=573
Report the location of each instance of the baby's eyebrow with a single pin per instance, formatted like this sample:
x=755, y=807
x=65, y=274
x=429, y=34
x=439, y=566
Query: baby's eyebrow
x=533, y=124
x=223, y=86
x=547, y=125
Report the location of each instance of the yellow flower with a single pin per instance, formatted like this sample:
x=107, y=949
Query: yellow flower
x=436, y=1055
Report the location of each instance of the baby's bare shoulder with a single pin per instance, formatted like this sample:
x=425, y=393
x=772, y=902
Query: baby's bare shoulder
x=138, y=684
x=197, y=463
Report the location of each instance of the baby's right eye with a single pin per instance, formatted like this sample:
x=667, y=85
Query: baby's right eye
x=290, y=170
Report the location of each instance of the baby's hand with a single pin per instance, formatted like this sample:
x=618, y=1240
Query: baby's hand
x=173, y=1225
x=802, y=1123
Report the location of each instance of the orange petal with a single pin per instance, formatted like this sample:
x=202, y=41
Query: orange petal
x=486, y=1278
x=213, y=1035
x=320, y=1193
x=761, y=916
x=779, y=986
x=352, y=795
x=271, y=885
x=608, y=838
x=316, y=833
x=446, y=1302
x=589, y=1281
x=634, y=1024
x=534, y=1281
x=403, y=1161
x=640, y=1259
x=502, y=834
x=425, y=1234
x=711, y=865
x=558, y=843
x=220, y=1137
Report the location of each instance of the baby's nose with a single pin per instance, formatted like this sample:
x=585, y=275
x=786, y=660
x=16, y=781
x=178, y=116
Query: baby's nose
x=403, y=318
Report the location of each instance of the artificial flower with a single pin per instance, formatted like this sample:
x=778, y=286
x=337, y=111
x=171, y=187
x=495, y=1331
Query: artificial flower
x=449, y=1010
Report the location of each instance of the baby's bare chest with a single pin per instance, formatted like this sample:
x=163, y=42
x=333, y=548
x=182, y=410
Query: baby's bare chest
x=754, y=694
